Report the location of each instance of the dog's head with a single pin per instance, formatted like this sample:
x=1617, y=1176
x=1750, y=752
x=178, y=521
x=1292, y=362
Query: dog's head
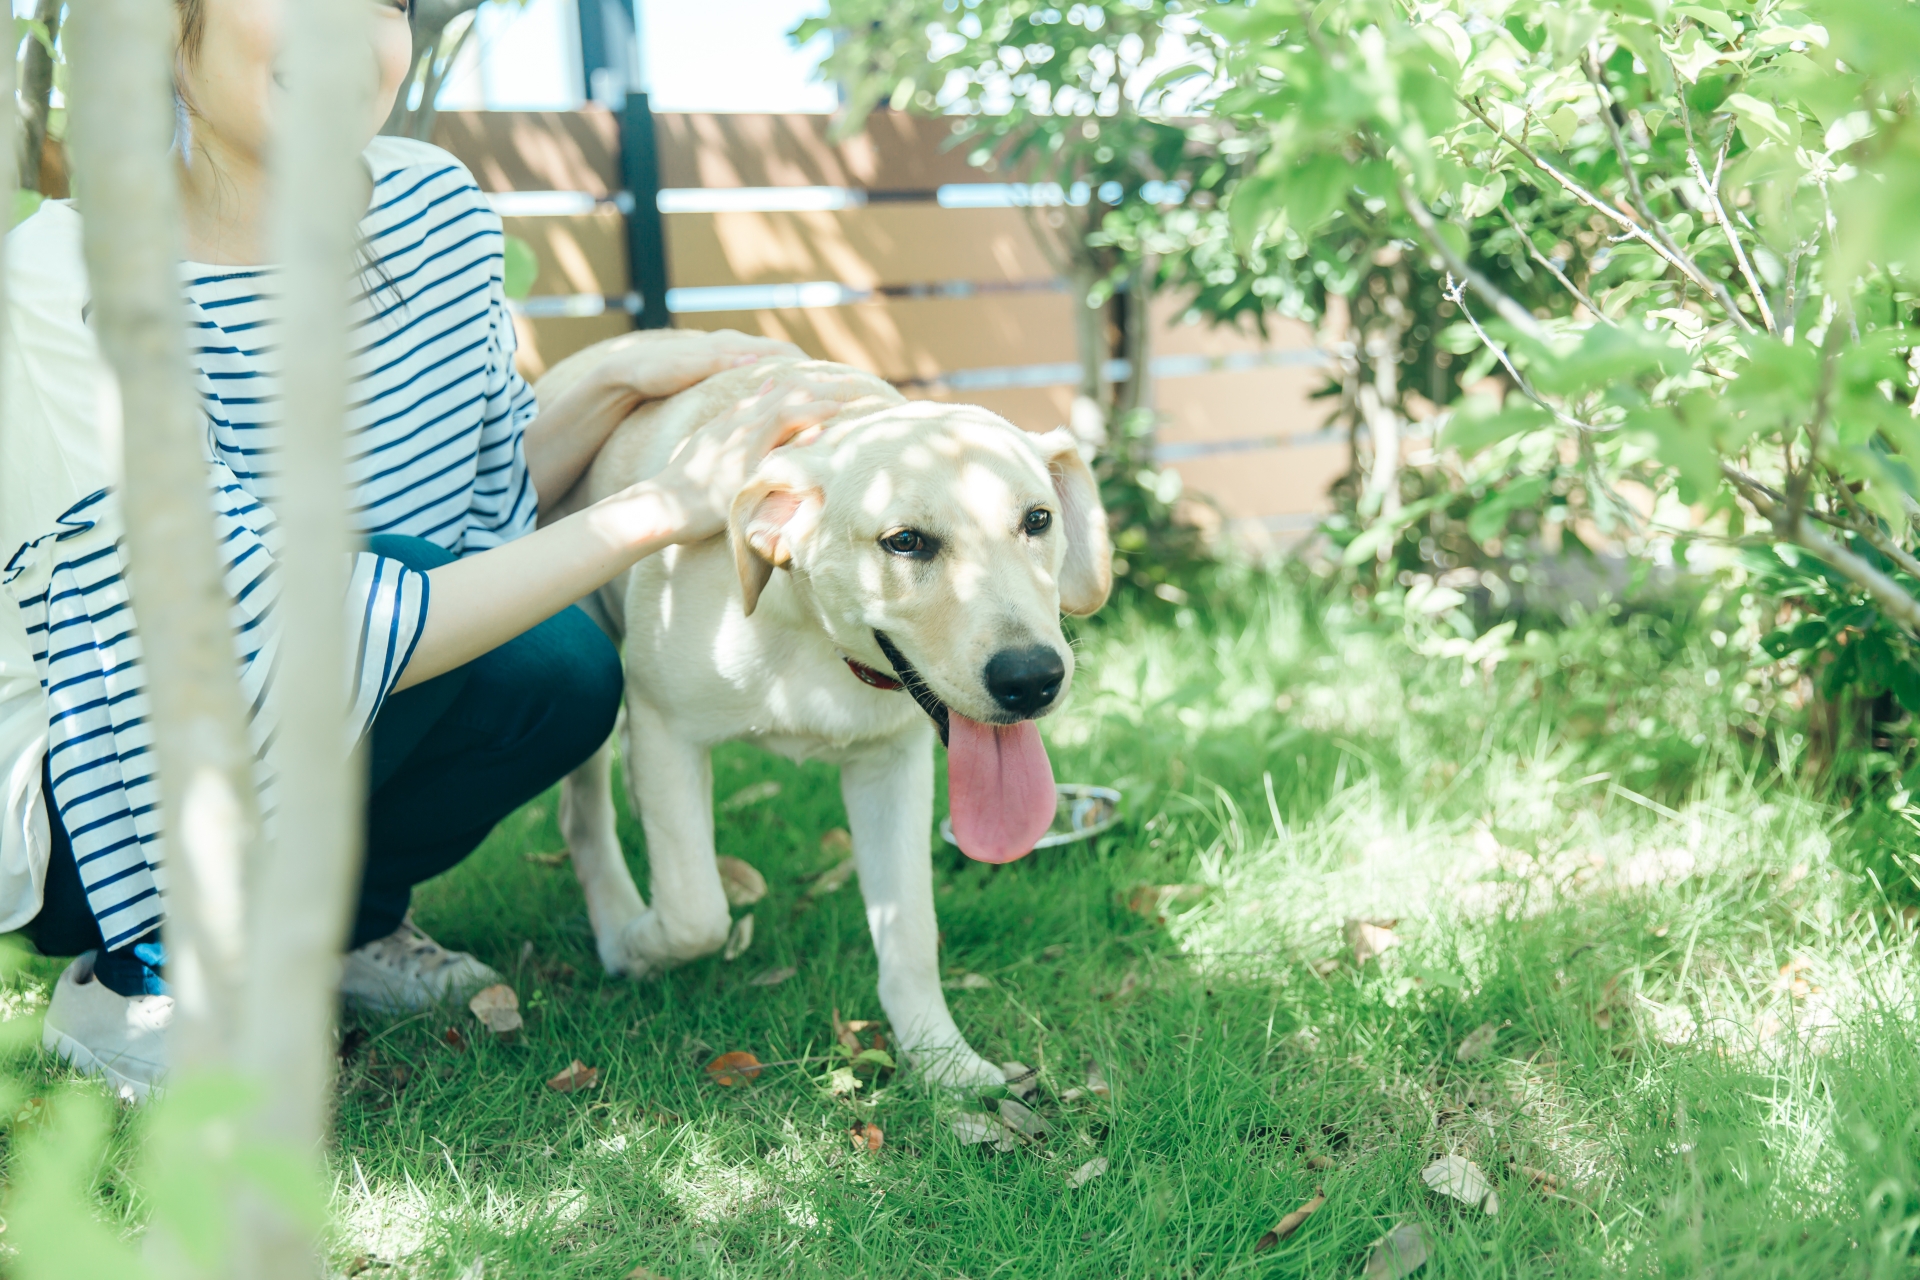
x=938, y=544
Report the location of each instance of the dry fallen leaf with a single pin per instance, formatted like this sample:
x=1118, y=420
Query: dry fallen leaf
x=558, y=858
x=753, y=794
x=968, y=982
x=743, y=885
x=577, y=1076
x=1399, y=1253
x=1087, y=1172
x=1291, y=1223
x=498, y=1009
x=1462, y=1179
x=1021, y=1119
x=453, y=1038
x=841, y=1080
x=837, y=840
x=1369, y=939
x=1023, y=1081
x=736, y=1068
x=641, y=1273
x=1096, y=1083
x=739, y=938
x=972, y=1128
x=866, y=1136
x=1320, y=1164
x=1477, y=1042
x=1540, y=1179
x=848, y=1034
x=832, y=879
x=772, y=977
x=1156, y=901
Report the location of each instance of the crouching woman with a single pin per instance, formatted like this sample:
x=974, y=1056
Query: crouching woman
x=476, y=681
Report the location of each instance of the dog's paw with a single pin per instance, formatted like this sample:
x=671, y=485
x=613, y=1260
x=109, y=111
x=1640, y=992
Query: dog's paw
x=648, y=945
x=955, y=1068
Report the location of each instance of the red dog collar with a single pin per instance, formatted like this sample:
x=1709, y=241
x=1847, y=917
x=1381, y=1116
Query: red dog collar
x=867, y=675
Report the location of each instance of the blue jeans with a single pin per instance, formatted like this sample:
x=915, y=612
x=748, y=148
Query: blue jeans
x=447, y=759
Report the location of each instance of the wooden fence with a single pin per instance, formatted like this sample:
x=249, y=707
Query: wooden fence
x=875, y=251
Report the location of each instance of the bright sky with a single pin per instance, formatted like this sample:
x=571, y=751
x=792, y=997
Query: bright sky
x=698, y=55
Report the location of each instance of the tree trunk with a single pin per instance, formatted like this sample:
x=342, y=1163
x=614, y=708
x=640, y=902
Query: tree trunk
x=36, y=95
x=1379, y=403
x=1136, y=342
x=300, y=895
x=122, y=127
x=431, y=18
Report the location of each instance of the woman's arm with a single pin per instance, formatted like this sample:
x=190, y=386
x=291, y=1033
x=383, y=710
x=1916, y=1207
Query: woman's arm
x=483, y=601
x=563, y=440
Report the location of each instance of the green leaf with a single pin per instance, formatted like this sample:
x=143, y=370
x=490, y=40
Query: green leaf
x=1313, y=190
x=1490, y=518
x=1686, y=448
x=1470, y=431
x=25, y=205
x=1723, y=25
x=875, y=1057
x=520, y=268
x=1760, y=122
x=1904, y=680
x=1607, y=355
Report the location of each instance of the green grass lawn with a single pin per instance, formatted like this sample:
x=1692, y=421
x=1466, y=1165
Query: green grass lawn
x=1696, y=969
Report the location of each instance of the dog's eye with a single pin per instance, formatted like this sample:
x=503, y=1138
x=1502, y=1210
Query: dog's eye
x=907, y=542
x=1039, y=520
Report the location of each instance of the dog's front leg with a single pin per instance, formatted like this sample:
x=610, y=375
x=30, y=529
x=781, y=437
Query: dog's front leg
x=670, y=781
x=889, y=797
x=587, y=824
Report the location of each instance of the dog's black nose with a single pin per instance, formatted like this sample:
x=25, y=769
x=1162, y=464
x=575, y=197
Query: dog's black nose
x=1025, y=681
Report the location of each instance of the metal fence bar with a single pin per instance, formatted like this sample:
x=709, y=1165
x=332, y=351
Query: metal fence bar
x=646, y=229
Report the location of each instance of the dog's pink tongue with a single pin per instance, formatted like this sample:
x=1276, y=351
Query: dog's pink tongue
x=999, y=786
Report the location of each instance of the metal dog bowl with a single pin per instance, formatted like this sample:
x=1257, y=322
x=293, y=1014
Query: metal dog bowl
x=1083, y=813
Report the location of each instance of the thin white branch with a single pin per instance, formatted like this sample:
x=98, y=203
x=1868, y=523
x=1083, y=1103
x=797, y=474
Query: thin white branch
x=1628, y=226
x=1579, y=294
x=1508, y=309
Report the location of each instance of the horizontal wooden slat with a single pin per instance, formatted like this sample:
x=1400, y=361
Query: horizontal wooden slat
x=1174, y=335
x=895, y=152
x=578, y=253
x=545, y=343
x=907, y=338
x=1233, y=405
x=536, y=150
x=1268, y=482
x=884, y=244
x=1031, y=408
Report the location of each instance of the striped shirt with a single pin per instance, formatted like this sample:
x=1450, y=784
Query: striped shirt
x=435, y=424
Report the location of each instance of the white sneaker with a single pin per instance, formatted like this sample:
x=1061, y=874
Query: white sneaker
x=407, y=971
x=119, y=1037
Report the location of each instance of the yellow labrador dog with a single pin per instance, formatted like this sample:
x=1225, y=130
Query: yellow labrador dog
x=896, y=577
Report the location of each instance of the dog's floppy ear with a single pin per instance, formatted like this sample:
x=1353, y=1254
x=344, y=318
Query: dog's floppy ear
x=1086, y=575
x=768, y=519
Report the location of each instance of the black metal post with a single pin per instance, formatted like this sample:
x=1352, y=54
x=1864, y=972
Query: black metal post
x=646, y=230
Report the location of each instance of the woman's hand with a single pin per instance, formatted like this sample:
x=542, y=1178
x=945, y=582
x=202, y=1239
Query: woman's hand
x=654, y=365
x=487, y=599
x=701, y=481
x=582, y=411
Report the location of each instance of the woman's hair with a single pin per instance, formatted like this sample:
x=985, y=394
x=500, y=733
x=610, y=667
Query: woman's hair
x=193, y=21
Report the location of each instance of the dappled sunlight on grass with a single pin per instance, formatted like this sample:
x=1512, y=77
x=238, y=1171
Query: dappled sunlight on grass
x=1682, y=973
